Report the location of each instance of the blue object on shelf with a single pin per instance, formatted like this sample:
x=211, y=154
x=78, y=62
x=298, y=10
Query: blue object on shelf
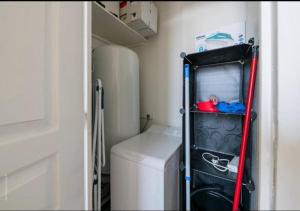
x=219, y=36
x=238, y=108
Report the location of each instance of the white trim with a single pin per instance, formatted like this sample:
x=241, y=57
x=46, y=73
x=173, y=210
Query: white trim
x=87, y=104
x=267, y=121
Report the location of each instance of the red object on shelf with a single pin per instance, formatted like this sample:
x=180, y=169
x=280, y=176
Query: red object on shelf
x=207, y=106
x=123, y=4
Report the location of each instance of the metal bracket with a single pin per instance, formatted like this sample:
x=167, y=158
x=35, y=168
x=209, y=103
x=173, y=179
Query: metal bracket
x=250, y=185
x=95, y=180
x=181, y=166
x=182, y=111
x=183, y=56
x=251, y=41
x=253, y=115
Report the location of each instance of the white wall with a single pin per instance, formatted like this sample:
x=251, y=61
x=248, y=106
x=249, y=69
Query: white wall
x=161, y=66
x=279, y=135
x=288, y=148
x=98, y=41
x=267, y=120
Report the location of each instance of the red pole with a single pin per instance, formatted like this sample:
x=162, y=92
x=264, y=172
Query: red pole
x=246, y=125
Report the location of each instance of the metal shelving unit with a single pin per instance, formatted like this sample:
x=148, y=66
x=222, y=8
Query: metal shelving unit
x=214, y=131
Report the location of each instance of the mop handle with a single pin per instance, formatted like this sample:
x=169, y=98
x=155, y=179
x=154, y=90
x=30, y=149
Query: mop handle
x=187, y=135
x=246, y=125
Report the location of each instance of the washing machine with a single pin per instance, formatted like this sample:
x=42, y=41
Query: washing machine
x=145, y=170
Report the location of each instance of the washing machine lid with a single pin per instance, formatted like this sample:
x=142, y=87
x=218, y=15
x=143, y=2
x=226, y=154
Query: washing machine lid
x=152, y=148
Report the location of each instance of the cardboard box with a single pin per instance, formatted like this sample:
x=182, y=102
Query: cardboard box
x=124, y=10
x=229, y=35
x=140, y=16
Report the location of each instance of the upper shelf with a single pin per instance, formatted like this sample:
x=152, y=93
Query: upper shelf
x=111, y=28
x=195, y=110
x=229, y=54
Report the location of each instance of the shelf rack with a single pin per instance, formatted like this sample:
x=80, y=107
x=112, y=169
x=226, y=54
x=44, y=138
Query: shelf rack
x=203, y=174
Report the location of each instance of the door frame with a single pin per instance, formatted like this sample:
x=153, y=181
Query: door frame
x=87, y=96
x=267, y=103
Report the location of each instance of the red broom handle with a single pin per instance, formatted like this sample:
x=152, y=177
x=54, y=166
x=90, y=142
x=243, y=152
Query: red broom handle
x=246, y=125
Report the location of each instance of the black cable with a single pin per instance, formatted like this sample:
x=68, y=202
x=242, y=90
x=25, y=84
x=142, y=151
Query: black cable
x=145, y=126
x=221, y=196
x=148, y=119
x=225, y=198
x=205, y=189
x=212, y=191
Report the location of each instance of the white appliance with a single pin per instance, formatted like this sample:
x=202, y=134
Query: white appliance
x=145, y=171
x=140, y=16
x=118, y=69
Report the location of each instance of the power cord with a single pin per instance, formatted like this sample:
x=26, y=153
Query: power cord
x=215, y=161
x=148, y=119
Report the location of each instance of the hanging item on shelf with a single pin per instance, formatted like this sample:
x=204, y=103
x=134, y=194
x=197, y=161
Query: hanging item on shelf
x=218, y=163
x=221, y=164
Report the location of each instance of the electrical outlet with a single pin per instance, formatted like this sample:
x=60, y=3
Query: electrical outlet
x=149, y=116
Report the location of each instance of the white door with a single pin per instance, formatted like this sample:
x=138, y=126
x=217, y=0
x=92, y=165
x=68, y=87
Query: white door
x=42, y=116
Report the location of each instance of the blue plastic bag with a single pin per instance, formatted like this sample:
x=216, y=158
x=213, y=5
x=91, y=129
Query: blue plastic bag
x=237, y=108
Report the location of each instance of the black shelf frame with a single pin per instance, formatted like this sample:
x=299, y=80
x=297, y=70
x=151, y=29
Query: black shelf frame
x=231, y=54
x=194, y=110
x=238, y=54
